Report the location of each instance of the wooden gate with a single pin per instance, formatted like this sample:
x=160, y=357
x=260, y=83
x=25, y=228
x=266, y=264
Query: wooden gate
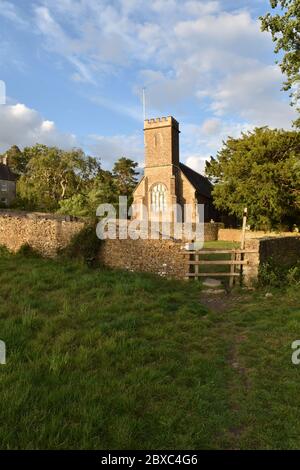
x=233, y=260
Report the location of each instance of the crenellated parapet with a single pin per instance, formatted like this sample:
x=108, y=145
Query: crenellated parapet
x=164, y=121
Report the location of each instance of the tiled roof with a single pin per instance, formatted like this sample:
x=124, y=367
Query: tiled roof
x=201, y=183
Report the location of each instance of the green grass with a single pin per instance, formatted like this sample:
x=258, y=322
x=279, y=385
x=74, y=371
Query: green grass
x=111, y=360
x=221, y=245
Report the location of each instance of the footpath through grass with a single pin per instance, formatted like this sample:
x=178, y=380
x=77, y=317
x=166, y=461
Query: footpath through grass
x=112, y=360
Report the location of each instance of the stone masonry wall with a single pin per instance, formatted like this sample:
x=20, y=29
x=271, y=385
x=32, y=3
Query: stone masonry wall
x=46, y=233
x=165, y=257
x=211, y=231
x=162, y=257
x=235, y=235
x=284, y=251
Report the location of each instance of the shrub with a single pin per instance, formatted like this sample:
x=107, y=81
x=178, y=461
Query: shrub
x=273, y=275
x=83, y=246
x=293, y=275
x=4, y=251
x=27, y=251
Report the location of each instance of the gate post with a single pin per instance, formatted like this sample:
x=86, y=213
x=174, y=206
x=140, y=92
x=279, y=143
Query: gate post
x=250, y=270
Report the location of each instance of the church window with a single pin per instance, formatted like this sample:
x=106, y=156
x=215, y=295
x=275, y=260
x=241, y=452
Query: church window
x=159, y=198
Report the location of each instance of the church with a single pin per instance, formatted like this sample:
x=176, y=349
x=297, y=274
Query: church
x=166, y=180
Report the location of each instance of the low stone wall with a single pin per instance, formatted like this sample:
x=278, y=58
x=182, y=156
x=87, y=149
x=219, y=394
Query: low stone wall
x=284, y=251
x=162, y=257
x=178, y=231
x=165, y=257
x=211, y=231
x=45, y=233
x=235, y=235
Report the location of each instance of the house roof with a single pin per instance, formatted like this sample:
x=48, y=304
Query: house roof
x=201, y=183
x=6, y=174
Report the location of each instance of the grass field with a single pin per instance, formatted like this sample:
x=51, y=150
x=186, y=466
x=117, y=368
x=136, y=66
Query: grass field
x=114, y=360
x=221, y=245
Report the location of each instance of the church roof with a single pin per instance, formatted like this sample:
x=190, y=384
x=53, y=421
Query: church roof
x=201, y=183
x=6, y=174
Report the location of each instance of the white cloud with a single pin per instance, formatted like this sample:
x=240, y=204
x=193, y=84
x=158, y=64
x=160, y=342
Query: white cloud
x=202, y=141
x=199, y=8
x=180, y=49
x=201, y=57
x=110, y=148
x=197, y=162
x=9, y=11
x=118, y=108
x=252, y=95
x=211, y=126
x=23, y=126
x=201, y=52
x=99, y=38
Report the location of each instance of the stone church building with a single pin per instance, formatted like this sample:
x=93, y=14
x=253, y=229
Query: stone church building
x=166, y=180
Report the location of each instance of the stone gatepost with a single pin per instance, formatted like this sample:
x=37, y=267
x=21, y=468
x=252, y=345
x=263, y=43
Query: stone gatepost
x=250, y=271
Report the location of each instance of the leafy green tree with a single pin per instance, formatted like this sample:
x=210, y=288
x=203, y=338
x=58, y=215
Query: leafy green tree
x=101, y=190
x=70, y=182
x=125, y=177
x=52, y=175
x=16, y=160
x=284, y=25
x=260, y=171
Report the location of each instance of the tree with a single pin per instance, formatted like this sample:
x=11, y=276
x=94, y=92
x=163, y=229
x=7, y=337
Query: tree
x=261, y=171
x=125, y=177
x=16, y=160
x=284, y=25
x=52, y=175
x=101, y=190
x=70, y=182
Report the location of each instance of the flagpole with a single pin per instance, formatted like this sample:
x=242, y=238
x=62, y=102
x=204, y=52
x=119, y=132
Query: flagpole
x=144, y=104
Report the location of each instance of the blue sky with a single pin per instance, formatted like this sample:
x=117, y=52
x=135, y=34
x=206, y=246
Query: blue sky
x=74, y=72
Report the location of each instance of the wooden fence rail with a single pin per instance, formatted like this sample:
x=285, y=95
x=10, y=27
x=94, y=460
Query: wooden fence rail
x=237, y=259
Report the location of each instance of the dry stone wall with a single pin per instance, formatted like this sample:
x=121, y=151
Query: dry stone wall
x=235, y=235
x=48, y=233
x=45, y=233
x=162, y=257
x=284, y=251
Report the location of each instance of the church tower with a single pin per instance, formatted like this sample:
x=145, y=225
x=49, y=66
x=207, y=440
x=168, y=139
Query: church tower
x=161, y=142
x=161, y=166
x=166, y=181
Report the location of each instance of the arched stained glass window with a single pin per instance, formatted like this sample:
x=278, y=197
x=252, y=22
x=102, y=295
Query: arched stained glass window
x=159, y=198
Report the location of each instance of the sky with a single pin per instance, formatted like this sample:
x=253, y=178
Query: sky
x=74, y=71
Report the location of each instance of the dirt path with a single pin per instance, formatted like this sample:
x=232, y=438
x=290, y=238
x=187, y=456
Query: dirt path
x=223, y=304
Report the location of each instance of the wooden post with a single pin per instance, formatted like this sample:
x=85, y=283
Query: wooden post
x=196, y=267
x=243, y=238
x=244, y=228
x=232, y=271
x=188, y=266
